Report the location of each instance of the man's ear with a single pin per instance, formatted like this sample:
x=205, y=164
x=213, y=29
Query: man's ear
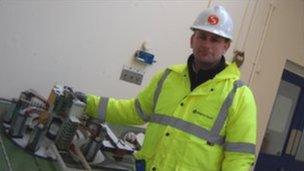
x=191, y=41
x=226, y=46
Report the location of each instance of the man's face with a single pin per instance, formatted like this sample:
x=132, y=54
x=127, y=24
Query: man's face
x=207, y=48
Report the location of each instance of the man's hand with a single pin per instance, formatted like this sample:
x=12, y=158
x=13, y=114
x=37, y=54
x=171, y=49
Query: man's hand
x=81, y=96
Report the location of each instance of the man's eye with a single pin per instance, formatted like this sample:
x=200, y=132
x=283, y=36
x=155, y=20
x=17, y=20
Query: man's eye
x=203, y=37
x=215, y=39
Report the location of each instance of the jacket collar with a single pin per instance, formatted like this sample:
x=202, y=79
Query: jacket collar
x=230, y=72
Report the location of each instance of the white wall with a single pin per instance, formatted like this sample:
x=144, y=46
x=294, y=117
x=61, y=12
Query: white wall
x=85, y=44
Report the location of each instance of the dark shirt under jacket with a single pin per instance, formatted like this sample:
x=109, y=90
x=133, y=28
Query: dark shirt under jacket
x=203, y=75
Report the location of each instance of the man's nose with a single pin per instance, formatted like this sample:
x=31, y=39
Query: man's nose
x=206, y=42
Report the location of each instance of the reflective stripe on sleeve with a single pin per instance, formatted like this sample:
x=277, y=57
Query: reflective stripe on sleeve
x=159, y=87
x=187, y=127
x=140, y=112
x=240, y=147
x=102, y=108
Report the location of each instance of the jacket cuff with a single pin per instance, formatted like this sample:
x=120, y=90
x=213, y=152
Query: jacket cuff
x=92, y=105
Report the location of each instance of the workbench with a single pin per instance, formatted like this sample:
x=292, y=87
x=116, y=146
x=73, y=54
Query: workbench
x=15, y=158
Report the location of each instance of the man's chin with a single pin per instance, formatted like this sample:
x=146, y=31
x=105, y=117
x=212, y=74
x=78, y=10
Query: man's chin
x=206, y=59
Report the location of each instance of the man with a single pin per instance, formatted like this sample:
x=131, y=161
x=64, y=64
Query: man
x=200, y=117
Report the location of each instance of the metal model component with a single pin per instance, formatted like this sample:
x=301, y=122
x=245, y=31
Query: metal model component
x=58, y=128
x=18, y=125
x=8, y=113
x=77, y=109
x=91, y=149
x=35, y=138
x=28, y=102
x=64, y=100
x=53, y=128
x=66, y=133
x=96, y=142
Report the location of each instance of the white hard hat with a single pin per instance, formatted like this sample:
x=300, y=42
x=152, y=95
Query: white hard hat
x=216, y=20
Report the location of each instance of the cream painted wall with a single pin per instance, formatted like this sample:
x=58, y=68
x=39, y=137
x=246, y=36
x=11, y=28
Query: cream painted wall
x=295, y=41
x=86, y=44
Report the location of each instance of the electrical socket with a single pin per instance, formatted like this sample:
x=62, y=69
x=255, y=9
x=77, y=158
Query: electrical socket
x=132, y=75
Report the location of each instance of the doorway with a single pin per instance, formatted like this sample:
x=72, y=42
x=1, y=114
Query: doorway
x=283, y=144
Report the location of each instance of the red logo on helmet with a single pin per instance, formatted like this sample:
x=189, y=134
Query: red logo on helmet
x=213, y=19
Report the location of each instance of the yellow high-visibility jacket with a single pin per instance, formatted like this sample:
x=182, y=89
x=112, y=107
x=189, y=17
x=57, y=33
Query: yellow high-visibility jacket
x=212, y=128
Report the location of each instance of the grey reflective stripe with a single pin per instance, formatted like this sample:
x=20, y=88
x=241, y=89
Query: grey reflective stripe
x=102, y=108
x=187, y=127
x=212, y=136
x=221, y=117
x=240, y=147
x=140, y=112
x=159, y=87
